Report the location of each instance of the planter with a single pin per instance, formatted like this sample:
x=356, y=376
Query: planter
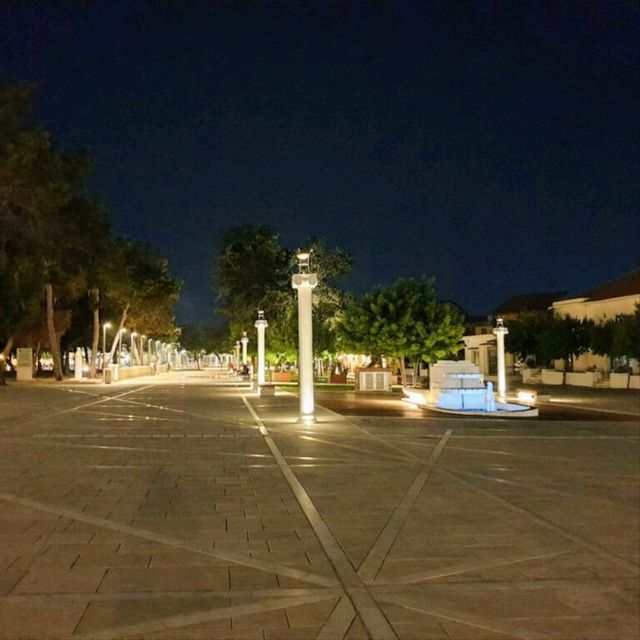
x=527, y=374
x=619, y=380
x=550, y=376
x=281, y=376
x=338, y=378
x=582, y=378
x=634, y=382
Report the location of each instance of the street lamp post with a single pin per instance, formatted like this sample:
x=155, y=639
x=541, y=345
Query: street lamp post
x=261, y=325
x=245, y=342
x=500, y=331
x=304, y=282
x=105, y=326
x=236, y=355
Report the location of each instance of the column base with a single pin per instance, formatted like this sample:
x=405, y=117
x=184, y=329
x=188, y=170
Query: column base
x=307, y=419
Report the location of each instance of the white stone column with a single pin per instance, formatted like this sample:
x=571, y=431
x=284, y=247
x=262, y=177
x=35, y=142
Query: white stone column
x=261, y=325
x=236, y=355
x=304, y=283
x=78, y=364
x=245, y=342
x=500, y=331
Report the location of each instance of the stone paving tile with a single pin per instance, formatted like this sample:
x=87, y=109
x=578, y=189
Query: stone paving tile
x=256, y=622
x=39, y=620
x=310, y=615
x=248, y=578
x=412, y=624
x=122, y=579
x=53, y=580
x=163, y=557
x=9, y=578
x=53, y=557
x=213, y=630
x=357, y=631
x=299, y=633
x=124, y=612
x=90, y=558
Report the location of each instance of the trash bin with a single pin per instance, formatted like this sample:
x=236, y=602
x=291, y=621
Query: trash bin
x=108, y=375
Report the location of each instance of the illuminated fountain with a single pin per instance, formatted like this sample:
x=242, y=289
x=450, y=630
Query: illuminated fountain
x=459, y=388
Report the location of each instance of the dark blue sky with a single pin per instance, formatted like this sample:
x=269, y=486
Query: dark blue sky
x=493, y=145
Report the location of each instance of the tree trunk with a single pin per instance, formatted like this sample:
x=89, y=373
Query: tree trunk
x=135, y=352
x=37, y=357
x=94, y=297
x=53, y=338
x=118, y=337
x=403, y=373
x=4, y=356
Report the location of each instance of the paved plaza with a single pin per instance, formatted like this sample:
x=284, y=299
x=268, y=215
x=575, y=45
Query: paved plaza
x=181, y=507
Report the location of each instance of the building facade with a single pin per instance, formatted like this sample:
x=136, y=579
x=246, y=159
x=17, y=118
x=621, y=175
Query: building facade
x=605, y=302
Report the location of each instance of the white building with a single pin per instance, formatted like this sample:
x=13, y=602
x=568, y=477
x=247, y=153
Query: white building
x=605, y=302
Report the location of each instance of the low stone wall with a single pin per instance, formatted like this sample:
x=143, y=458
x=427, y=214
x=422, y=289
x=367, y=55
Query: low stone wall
x=581, y=378
x=135, y=372
x=619, y=380
x=634, y=382
x=113, y=374
x=549, y=376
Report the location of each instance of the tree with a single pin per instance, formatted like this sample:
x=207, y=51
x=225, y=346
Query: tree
x=253, y=272
x=329, y=301
x=601, y=337
x=140, y=290
x=251, y=267
x=563, y=339
x=626, y=335
x=56, y=248
x=198, y=339
x=403, y=320
x=523, y=339
x=36, y=182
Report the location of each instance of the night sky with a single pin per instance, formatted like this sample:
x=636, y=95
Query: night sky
x=493, y=145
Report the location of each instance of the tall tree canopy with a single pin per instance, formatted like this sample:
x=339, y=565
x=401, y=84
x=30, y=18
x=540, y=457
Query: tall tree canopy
x=404, y=320
x=253, y=271
x=57, y=254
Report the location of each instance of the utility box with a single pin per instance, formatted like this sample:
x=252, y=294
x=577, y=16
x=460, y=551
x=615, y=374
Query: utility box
x=24, y=369
x=374, y=379
x=267, y=390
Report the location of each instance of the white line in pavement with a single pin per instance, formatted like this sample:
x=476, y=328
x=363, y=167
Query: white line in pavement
x=338, y=623
x=594, y=548
x=199, y=617
x=107, y=596
x=372, y=616
x=349, y=447
x=466, y=619
x=381, y=547
x=461, y=568
x=405, y=454
x=17, y=422
x=145, y=534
